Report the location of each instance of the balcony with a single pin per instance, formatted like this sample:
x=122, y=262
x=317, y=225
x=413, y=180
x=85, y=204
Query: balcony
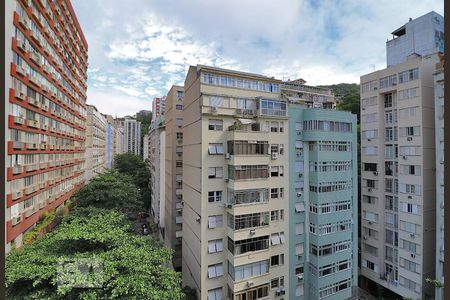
x=33, y=123
x=33, y=101
x=17, y=169
x=16, y=195
x=30, y=211
x=19, y=120
x=32, y=146
x=30, y=189
x=16, y=220
x=31, y=167
x=20, y=95
x=20, y=70
x=18, y=145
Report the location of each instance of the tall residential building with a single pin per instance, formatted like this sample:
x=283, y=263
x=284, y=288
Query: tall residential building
x=144, y=113
x=45, y=95
x=439, y=130
x=172, y=232
x=323, y=202
x=111, y=140
x=132, y=136
x=158, y=106
x=157, y=162
x=398, y=175
x=421, y=36
x=145, y=146
x=96, y=126
x=256, y=222
x=120, y=136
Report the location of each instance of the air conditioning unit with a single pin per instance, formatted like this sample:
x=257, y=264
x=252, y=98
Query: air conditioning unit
x=283, y=292
x=413, y=235
x=409, y=138
x=227, y=156
x=300, y=277
x=299, y=132
x=300, y=175
x=369, y=189
x=252, y=232
x=404, y=157
x=364, y=237
x=375, y=88
x=363, y=108
x=197, y=219
x=409, y=197
x=274, y=155
x=370, y=222
x=249, y=283
x=375, y=173
x=299, y=194
x=239, y=111
x=413, y=255
x=229, y=205
x=369, y=140
x=213, y=109
x=277, y=293
x=394, y=83
x=227, y=179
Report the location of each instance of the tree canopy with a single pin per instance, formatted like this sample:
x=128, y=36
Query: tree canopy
x=124, y=265
x=110, y=190
x=349, y=95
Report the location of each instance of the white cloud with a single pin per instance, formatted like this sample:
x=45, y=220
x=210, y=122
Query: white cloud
x=116, y=104
x=140, y=48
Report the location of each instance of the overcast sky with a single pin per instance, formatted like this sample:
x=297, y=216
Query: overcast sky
x=139, y=48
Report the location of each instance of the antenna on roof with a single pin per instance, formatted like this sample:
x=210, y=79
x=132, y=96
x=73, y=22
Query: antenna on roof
x=372, y=66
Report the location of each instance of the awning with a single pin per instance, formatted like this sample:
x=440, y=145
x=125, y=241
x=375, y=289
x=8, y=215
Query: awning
x=246, y=121
x=299, y=207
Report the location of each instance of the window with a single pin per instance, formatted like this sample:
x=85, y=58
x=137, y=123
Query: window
x=410, y=131
x=277, y=260
x=409, y=227
x=179, y=122
x=409, y=75
x=179, y=107
x=409, y=246
x=215, y=270
x=241, y=172
x=254, y=293
x=215, y=149
x=238, y=222
x=249, y=270
x=276, y=171
x=277, y=215
x=277, y=282
x=388, y=101
x=409, y=284
x=215, y=221
x=215, y=294
x=409, y=265
x=273, y=108
x=369, y=118
x=299, y=228
x=215, y=196
x=236, y=147
x=214, y=124
x=371, y=167
x=250, y=245
x=370, y=150
x=215, y=246
x=216, y=101
x=370, y=216
x=245, y=103
x=410, y=208
x=276, y=126
x=276, y=193
x=215, y=172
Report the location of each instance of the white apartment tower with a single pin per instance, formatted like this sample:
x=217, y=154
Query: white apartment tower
x=398, y=169
x=132, y=135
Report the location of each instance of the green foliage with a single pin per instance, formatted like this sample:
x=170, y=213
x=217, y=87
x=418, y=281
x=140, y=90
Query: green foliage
x=127, y=265
x=46, y=219
x=189, y=293
x=110, y=190
x=349, y=95
x=133, y=166
x=436, y=283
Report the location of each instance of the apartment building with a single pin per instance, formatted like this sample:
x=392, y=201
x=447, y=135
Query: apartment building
x=120, y=135
x=45, y=92
x=157, y=162
x=145, y=146
x=132, y=136
x=423, y=36
x=172, y=232
x=96, y=126
x=398, y=176
x=158, y=106
x=111, y=141
x=323, y=242
x=439, y=131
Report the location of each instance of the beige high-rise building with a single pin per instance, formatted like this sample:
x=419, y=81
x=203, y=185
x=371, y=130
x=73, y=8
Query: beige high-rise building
x=398, y=165
x=96, y=126
x=227, y=215
x=398, y=177
x=172, y=233
x=439, y=121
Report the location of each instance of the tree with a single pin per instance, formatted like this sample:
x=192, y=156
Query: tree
x=110, y=190
x=135, y=167
x=119, y=264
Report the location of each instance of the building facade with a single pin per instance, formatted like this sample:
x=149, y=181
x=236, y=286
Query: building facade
x=323, y=202
x=96, y=139
x=439, y=130
x=421, y=36
x=145, y=146
x=157, y=162
x=158, y=106
x=172, y=232
x=132, y=136
x=398, y=176
x=45, y=95
x=111, y=141
x=257, y=223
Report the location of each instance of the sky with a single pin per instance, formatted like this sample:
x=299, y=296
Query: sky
x=138, y=49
